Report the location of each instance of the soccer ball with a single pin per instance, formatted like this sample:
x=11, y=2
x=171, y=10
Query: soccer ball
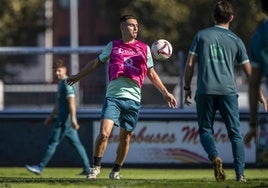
x=161, y=50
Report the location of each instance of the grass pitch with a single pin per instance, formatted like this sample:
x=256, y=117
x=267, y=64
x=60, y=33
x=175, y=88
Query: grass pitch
x=132, y=178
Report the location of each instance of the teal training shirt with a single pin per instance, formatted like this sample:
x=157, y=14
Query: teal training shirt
x=259, y=48
x=64, y=92
x=217, y=49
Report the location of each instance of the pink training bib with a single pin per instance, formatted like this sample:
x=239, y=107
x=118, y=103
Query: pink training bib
x=128, y=60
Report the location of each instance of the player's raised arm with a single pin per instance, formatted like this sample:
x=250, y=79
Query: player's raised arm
x=86, y=70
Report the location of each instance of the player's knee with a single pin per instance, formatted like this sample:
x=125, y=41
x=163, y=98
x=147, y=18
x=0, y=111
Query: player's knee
x=103, y=137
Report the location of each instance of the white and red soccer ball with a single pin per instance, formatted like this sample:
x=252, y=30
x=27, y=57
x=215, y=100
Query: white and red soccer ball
x=161, y=50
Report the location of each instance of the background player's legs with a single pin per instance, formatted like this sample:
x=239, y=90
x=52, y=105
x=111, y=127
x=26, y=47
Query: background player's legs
x=206, y=106
x=74, y=140
x=230, y=113
x=53, y=141
x=206, y=114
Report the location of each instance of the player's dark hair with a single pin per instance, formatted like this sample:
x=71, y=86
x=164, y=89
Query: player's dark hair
x=223, y=10
x=126, y=17
x=58, y=63
x=264, y=6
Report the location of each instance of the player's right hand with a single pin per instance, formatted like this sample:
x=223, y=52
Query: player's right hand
x=75, y=125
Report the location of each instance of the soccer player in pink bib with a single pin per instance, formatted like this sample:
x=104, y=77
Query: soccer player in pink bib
x=129, y=61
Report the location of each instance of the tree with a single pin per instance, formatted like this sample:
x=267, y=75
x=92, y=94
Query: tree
x=21, y=23
x=178, y=21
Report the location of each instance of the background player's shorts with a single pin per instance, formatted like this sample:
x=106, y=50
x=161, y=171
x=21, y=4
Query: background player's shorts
x=123, y=112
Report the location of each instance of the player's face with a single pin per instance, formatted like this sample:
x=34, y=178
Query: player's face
x=130, y=29
x=60, y=73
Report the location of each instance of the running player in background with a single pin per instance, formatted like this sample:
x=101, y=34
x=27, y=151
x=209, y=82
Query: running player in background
x=66, y=124
x=259, y=61
x=215, y=50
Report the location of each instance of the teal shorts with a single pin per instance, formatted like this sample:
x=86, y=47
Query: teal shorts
x=123, y=112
